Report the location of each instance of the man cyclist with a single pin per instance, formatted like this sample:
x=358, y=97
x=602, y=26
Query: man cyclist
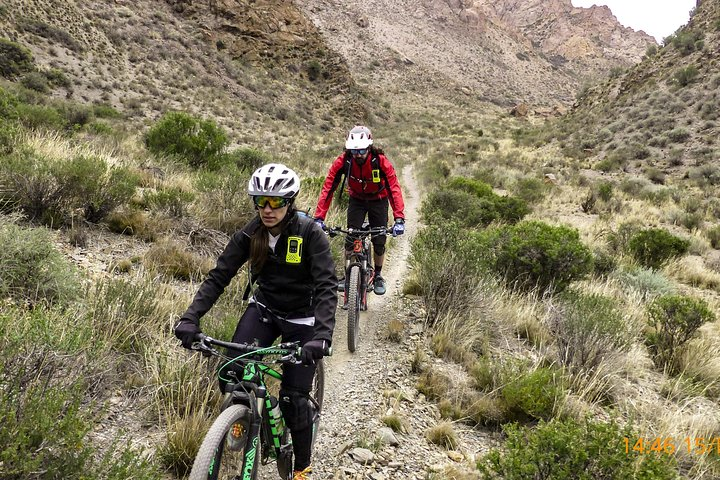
x=372, y=184
x=294, y=298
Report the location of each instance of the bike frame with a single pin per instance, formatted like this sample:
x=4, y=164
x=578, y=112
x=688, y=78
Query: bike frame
x=251, y=391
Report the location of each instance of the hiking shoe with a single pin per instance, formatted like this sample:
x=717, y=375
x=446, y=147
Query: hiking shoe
x=302, y=474
x=341, y=285
x=379, y=285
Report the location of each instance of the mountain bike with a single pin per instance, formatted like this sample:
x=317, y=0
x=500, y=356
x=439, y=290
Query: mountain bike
x=359, y=276
x=250, y=428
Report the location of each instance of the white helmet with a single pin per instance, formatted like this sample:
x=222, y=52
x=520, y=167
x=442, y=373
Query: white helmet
x=358, y=138
x=274, y=180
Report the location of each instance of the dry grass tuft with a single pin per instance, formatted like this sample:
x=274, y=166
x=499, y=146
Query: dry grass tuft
x=443, y=435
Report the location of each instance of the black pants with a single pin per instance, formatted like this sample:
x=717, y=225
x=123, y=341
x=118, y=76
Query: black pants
x=377, y=215
x=297, y=378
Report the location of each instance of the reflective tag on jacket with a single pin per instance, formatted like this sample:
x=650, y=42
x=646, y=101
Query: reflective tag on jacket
x=294, y=250
x=376, y=176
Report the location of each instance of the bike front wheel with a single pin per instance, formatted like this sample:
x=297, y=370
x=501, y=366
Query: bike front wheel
x=354, y=299
x=228, y=451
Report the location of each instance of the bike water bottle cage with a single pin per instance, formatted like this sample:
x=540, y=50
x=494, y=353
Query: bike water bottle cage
x=294, y=250
x=275, y=202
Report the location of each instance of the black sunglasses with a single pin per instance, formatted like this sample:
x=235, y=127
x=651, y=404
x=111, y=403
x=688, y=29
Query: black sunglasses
x=359, y=151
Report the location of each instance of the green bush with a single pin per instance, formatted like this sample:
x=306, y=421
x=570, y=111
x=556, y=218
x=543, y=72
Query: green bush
x=222, y=200
x=572, y=450
x=51, y=191
x=245, y=159
x=473, y=204
x=674, y=320
x=685, y=76
x=653, y=247
x=445, y=274
x=44, y=428
x=533, y=395
x=36, y=81
x=588, y=328
x=32, y=270
x=533, y=254
x=14, y=59
x=713, y=234
x=90, y=184
x=688, y=41
x=192, y=139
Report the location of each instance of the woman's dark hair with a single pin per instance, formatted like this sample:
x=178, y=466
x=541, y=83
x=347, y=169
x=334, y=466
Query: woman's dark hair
x=260, y=240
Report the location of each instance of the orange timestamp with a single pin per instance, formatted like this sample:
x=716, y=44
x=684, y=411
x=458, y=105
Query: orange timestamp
x=670, y=445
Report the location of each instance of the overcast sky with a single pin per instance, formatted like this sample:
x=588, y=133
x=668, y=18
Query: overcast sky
x=658, y=18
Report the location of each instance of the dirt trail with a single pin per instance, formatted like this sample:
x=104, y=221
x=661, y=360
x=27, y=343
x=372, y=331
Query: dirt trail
x=371, y=320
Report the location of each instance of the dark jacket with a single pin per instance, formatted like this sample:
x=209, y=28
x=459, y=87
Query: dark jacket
x=296, y=290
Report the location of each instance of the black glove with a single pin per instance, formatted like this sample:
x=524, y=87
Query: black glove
x=313, y=350
x=186, y=330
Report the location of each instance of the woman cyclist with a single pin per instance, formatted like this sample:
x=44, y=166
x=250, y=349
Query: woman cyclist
x=295, y=298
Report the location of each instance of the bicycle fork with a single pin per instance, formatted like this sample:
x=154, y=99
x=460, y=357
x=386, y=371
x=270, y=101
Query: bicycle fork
x=251, y=450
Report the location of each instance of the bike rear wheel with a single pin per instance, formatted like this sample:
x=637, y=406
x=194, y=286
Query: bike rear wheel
x=227, y=447
x=354, y=299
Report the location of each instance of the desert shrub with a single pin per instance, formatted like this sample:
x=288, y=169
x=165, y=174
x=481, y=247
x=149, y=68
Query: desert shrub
x=130, y=222
x=222, y=199
x=248, y=159
x=678, y=135
x=444, y=272
x=105, y=111
x=172, y=200
x=36, y=81
x=713, y=234
x=123, y=315
x=533, y=254
x=14, y=59
x=473, y=204
x=192, y=139
x=588, y=329
x=32, y=270
x=8, y=136
x=57, y=78
x=604, y=191
x=550, y=451
x=30, y=407
x=688, y=41
x=685, y=76
x=170, y=259
x=533, y=395
x=653, y=247
x=647, y=282
x=88, y=183
x=50, y=32
x=443, y=435
x=674, y=320
x=40, y=117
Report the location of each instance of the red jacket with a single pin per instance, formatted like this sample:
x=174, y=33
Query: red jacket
x=360, y=184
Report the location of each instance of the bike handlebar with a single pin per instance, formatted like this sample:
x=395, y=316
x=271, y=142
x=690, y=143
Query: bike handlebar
x=358, y=232
x=289, y=351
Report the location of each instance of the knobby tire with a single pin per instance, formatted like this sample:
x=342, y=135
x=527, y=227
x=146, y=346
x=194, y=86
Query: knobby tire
x=354, y=300
x=226, y=464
